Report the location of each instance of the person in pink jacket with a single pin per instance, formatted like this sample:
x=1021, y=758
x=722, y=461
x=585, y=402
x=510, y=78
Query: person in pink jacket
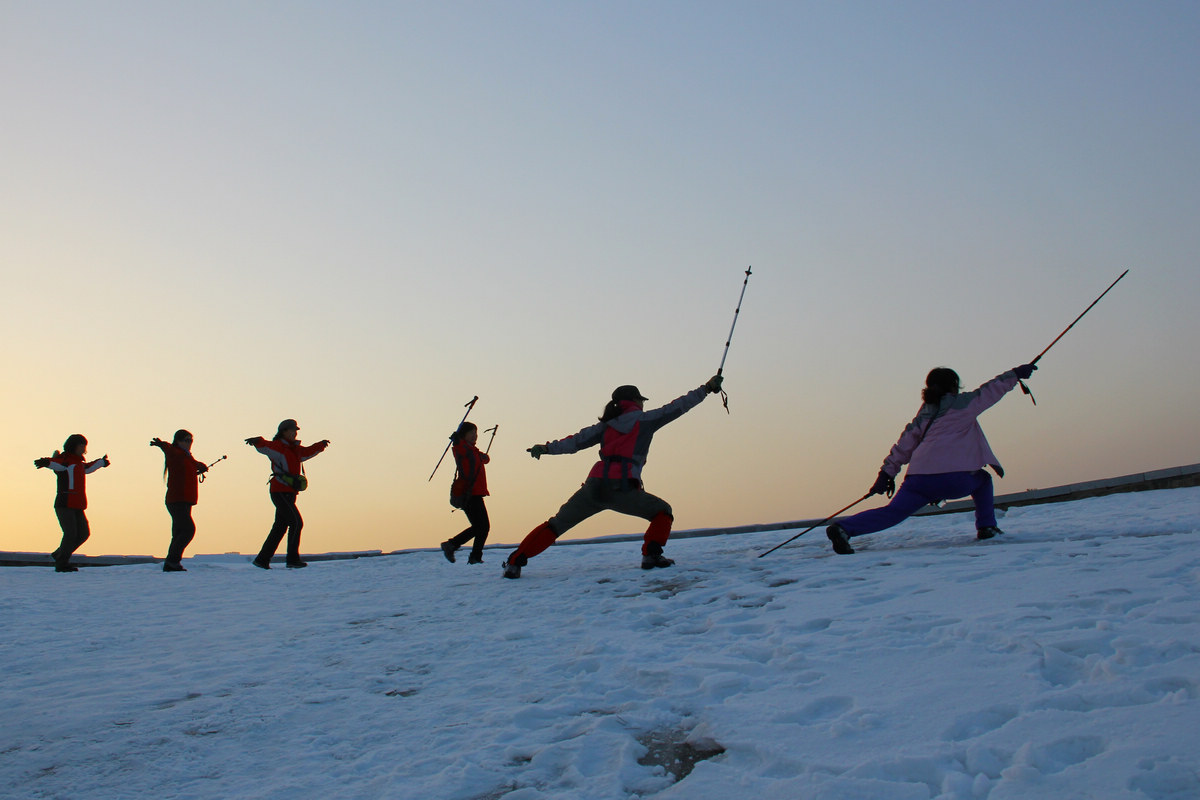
x=946, y=453
x=71, y=500
x=287, y=479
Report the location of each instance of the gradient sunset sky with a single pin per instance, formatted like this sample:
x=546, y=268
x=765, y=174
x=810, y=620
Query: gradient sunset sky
x=360, y=214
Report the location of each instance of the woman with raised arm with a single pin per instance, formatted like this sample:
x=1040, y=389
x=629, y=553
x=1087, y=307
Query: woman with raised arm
x=946, y=453
x=615, y=481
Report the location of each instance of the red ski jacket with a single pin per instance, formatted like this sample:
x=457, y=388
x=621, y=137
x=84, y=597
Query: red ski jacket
x=285, y=459
x=472, y=475
x=183, y=475
x=72, y=479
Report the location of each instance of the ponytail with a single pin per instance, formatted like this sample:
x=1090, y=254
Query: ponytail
x=612, y=410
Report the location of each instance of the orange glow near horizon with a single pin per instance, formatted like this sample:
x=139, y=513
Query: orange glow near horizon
x=339, y=223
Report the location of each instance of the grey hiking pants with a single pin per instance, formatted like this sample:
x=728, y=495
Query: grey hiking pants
x=600, y=494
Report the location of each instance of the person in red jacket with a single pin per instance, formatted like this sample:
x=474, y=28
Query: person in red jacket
x=287, y=478
x=71, y=500
x=615, y=481
x=467, y=492
x=182, y=472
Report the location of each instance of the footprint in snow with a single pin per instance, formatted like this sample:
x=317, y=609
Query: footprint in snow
x=977, y=723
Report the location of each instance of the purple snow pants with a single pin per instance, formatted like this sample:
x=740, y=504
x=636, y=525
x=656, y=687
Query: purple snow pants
x=918, y=491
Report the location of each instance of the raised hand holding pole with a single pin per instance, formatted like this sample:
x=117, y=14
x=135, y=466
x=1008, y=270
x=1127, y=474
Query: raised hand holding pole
x=494, y=429
x=728, y=339
x=1025, y=388
x=470, y=405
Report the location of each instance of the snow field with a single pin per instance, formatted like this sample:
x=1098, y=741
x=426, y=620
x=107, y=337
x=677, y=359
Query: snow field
x=1061, y=660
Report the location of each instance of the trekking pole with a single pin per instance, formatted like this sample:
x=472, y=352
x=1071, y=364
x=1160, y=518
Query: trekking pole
x=819, y=524
x=493, y=429
x=1025, y=388
x=469, y=406
x=736, y=311
x=210, y=466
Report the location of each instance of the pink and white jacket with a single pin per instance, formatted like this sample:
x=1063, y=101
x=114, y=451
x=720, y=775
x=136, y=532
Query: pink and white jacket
x=947, y=437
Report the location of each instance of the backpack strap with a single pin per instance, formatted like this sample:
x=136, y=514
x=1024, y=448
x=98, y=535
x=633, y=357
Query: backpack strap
x=626, y=468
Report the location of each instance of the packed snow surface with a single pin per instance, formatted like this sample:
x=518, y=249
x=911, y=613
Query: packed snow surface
x=1061, y=660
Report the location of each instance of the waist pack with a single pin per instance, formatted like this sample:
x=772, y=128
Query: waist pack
x=459, y=492
x=297, y=482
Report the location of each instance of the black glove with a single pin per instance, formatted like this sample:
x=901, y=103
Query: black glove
x=714, y=384
x=1024, y=371
x=884, y=484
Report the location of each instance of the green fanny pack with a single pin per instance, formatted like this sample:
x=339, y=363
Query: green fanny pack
x=297, y=482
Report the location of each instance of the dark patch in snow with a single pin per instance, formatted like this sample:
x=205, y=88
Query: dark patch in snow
x=497, y=793
x=670, y=749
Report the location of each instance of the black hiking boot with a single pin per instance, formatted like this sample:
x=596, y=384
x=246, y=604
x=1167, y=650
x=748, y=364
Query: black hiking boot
x=475, y=558
x=65, y=567
x=839, y=539
x=650, y=561
x=512, y=567
x=261, y=563
x=295, y=563
x=173, y=566
x=988, y=532
x=448, y=551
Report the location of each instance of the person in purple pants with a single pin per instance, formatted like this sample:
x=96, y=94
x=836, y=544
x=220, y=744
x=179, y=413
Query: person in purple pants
x=946, y=453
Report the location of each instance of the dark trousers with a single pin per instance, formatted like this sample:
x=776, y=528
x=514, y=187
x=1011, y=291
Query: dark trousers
x=918, y=491
x=75, y=530
x=477, y=515
x=287, y=520
x=596, y=495
x=599, y=494
x=183, y=530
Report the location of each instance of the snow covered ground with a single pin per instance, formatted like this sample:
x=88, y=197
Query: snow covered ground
x=1060, y=661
